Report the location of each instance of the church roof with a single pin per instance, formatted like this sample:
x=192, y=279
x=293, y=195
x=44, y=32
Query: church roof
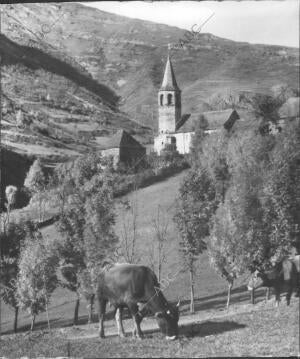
x=215, y=120
x=169, y=81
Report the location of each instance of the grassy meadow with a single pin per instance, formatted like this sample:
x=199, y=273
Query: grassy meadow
x=260, y=330
x=212, y=331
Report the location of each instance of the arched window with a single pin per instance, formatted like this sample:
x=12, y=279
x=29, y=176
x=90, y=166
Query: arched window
x=169, y=99
x=161, y=100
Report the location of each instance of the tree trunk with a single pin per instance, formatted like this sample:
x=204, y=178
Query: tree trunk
x=252, y=296
x=16, y=319
x=32, y=322
x=76, y=311
x=267, y=294
x=192, y=305
x=229, y=294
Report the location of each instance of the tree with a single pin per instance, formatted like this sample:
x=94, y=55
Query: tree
x=11, y=239
x=157, y=253
x=20, y=119
x=194, y=208
x=37, y=275
x=10, y=194
x=35, y=182
x=224, y=246
x=86, y=220
x=129, y=232
x=198, y=139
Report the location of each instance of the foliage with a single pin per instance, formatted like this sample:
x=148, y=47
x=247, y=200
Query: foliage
x=11, y=242
x=36, y=182
x=127, y=249
x=35, y=179
x=196, y=204
x=84, y=194
x=37, y=274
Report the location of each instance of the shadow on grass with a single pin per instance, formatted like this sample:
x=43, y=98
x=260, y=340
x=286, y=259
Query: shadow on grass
x=218, y=301
x=209, y=328
x=40, y=325
x=201, y=329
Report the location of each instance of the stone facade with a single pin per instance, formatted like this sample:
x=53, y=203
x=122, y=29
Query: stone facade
x=169, y=110
x=181, y=140
x=122, y=147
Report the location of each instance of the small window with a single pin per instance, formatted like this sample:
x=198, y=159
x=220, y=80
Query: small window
x=169, y=99
x=161, y=100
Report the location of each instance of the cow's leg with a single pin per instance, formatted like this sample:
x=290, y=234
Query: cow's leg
x=102, y=307
x=118, y=316
x=277, y=297
x=288, y=295
x=137, y=318
x=90, y=308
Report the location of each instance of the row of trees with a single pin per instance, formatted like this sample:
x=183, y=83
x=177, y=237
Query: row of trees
x=240, y=201
x=82, y=192
x=33, y=266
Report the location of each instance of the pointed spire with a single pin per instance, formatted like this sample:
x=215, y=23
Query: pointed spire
x=169, y=81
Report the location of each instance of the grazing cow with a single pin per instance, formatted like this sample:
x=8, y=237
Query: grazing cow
x=130, y=285
x=284, y=277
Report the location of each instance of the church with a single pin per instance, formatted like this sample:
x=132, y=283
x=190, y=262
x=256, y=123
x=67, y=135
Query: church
x=169, y=115
x=175, y=131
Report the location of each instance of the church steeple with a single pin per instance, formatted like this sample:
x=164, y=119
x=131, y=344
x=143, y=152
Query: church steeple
x=169, y=101
x=169, y=81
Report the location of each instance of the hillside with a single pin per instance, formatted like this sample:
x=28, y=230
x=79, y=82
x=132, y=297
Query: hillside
x=128, y=56
x=210, y=289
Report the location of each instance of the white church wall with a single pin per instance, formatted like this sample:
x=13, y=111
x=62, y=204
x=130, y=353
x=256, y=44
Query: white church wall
x=183, y=141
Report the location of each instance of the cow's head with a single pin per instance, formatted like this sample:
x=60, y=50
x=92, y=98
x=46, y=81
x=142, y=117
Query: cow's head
x=257, y=280
x=168, y=321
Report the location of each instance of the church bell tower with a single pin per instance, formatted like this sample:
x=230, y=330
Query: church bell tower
x=169, y=101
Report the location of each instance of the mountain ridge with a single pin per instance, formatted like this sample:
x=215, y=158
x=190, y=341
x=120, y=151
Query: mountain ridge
x=127, y=57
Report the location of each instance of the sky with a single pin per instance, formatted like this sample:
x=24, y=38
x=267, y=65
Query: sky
x=265, y=22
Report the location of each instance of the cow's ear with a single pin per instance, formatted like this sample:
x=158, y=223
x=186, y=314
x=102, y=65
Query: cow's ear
x=159, y=314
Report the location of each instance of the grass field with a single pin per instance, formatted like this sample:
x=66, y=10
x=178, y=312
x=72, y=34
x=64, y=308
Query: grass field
x=240, y=331
x=260, y=330
x=207, y=283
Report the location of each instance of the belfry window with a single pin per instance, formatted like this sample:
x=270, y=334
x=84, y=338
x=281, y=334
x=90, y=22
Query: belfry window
x=169, y=99
x=161, y=100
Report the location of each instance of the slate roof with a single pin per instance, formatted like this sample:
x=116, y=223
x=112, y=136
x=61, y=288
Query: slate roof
x=169, y=81
x=216, y=120
x=120, y=139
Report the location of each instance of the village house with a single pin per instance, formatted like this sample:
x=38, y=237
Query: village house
x=175, y=131
x=122, y=147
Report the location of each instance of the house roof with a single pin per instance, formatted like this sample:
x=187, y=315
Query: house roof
x=215, y=120
x=290, y=108
x=120, y=139
x=169, y=81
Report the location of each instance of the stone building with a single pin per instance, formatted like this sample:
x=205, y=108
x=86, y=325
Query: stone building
x=175, y=131
x=122, y=147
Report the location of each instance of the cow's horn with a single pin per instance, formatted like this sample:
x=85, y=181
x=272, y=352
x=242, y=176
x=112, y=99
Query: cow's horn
x=171, y=338
x=178, y=304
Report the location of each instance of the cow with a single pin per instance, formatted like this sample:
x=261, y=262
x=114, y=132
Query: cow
x=134, y=286
x=284, y=277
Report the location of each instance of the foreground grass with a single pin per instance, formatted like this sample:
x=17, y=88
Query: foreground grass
x=261, y=330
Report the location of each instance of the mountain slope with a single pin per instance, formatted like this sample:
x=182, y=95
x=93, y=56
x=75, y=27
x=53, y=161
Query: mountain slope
x=106, y=56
